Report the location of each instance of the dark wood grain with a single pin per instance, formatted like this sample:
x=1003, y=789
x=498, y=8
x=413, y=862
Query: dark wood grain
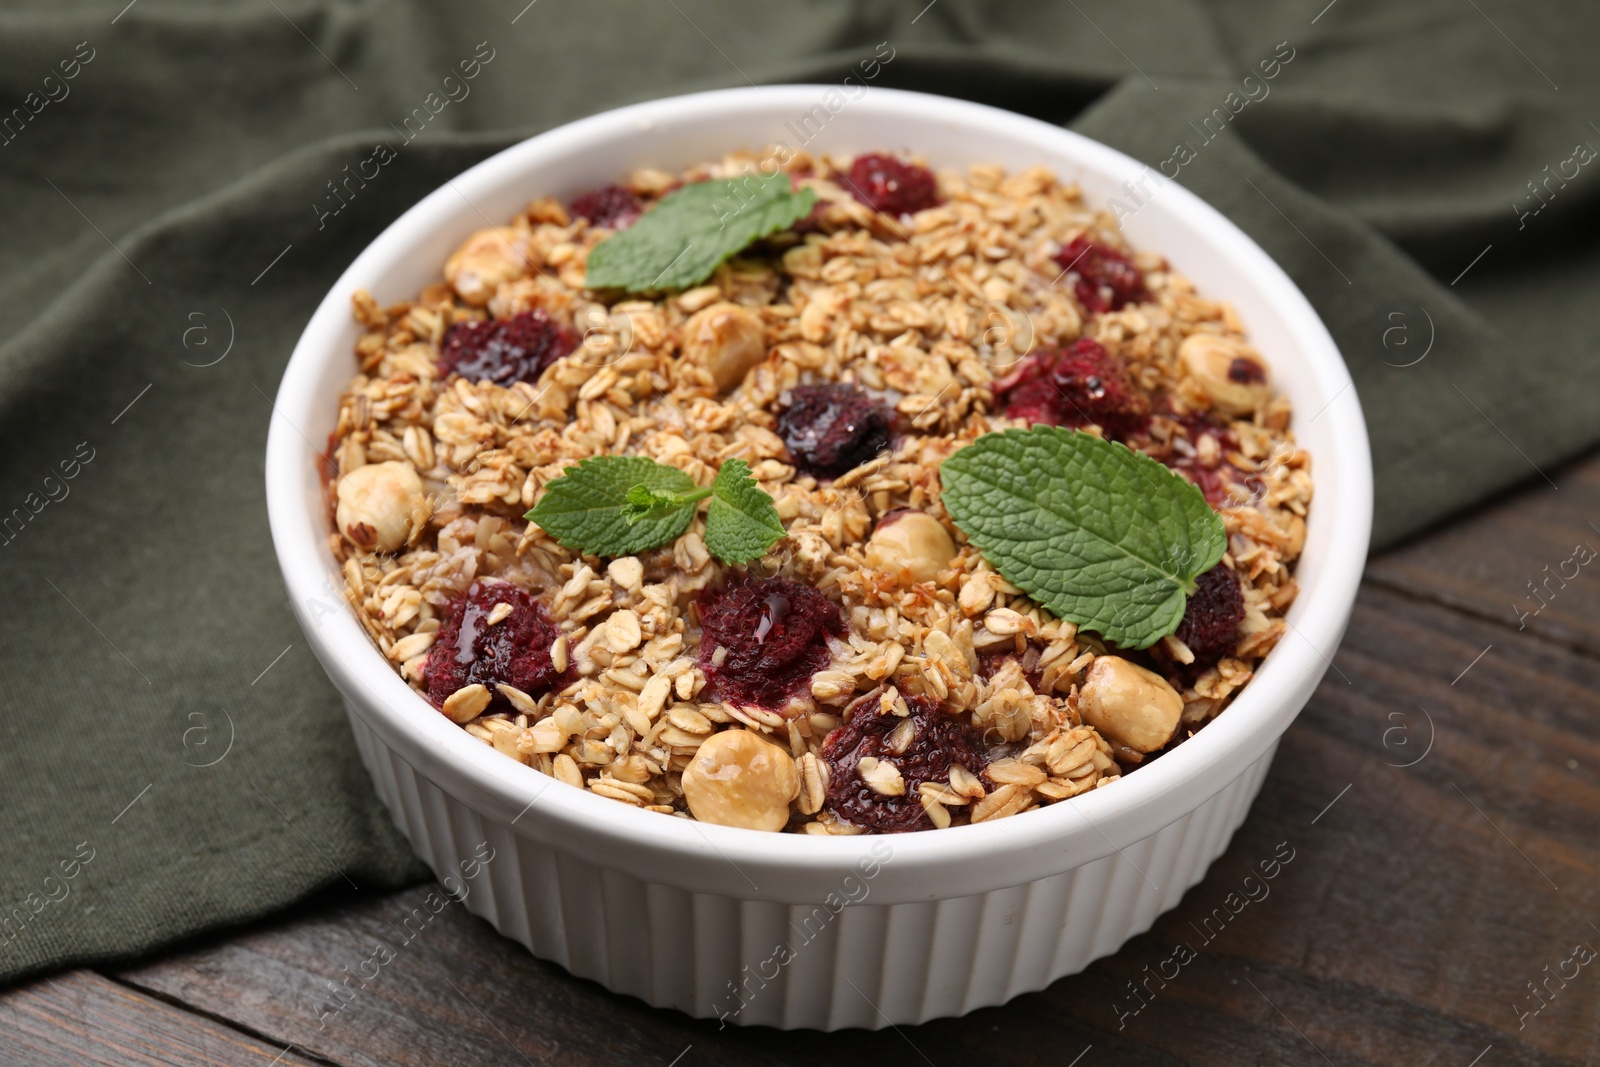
x=80, y=1019
x=1442, y=805
x=1485, y=564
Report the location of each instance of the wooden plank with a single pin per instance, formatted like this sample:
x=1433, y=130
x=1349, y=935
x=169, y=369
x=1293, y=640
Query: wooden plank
x=1420, y=903
x=80, y=1018
x=1530, y=561
x=1417, y=905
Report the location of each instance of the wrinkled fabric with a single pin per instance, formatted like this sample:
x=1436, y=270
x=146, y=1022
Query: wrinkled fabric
x=172, y=760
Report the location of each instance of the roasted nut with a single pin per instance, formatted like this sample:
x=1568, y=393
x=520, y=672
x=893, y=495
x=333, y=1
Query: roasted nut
x=1129, y=704
x=911, y=541
x=1229, y=371
x=726, y=340
x=738, y=779
x=380, y=505
x=488, y=259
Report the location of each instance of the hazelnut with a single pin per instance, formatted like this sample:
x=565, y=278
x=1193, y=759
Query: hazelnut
x=487, y=260
x=1229, y=371
x=911, y=541
x=1128, y=704
x=381, y=505
x=738, y=779
x=726, y=340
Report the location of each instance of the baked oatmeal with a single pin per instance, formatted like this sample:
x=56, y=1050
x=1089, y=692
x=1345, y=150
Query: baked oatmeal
x=854, y=663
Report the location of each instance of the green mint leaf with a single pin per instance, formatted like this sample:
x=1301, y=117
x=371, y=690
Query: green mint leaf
x=587, y=509
x=741, y=521
x=643, y=501
x=685, y=237
x=1100, y=535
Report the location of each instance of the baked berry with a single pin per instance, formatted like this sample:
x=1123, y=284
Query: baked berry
x=1217, y=477
x=1246, y=372
x=812, y=222
x=763, y=638
x=1075, y=386
x=514, y=650
x=885, y=184
x=830, y=429
x=990, y=663
x=1104, y=278
x=610, y=206
x=1210, y=625
x=504, y=351
x=937, y=742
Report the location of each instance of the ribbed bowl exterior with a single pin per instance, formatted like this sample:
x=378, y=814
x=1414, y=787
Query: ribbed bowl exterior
x=715, y=956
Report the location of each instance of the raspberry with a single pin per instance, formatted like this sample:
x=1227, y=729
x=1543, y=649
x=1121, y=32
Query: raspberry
x=611, y=206
x=1210, y=625
x=1073, y=387
x=517, y=349
x=1106, y=279
x=830, y=429
x=515, y=650
x=885, y=184
x=774, y=637
x=938, y=740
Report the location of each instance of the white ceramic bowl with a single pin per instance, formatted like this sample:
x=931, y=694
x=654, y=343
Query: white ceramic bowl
x=792, y=930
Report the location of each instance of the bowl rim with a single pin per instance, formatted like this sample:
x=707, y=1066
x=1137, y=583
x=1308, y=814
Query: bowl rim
x=1086, y=827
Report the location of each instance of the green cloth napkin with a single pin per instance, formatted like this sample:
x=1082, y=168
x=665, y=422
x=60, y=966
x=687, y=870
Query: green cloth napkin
x=172, y=759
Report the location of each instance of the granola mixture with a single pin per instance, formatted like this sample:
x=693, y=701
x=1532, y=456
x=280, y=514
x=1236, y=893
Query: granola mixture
x=939, y=694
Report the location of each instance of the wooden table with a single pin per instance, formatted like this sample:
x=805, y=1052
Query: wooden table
x=1441, y=795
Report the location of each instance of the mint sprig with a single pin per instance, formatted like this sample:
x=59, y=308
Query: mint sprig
x=622, y=505
x=1097, y=533
x=686, y=236
x=587, y=509
x=643, y=501
x=741, y=520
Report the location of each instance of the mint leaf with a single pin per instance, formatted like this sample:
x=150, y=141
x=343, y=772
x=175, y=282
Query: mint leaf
x=684, y=238
x=1098, y=534
x=587, y=509
x=642, y=501
x=741, y=521
x=621, y=505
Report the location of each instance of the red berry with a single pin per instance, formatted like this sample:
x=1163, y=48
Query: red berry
x=515, y=650
x=774, y=637
x=517, y=349
x=938, y=740
x=611, y=206
x=1105, y=278
x=1210, y=625
x=1246, y=372
x=812, y=222
x=1214, y=482
x=830, y=429
x=1075, y=386
x=885, y=184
